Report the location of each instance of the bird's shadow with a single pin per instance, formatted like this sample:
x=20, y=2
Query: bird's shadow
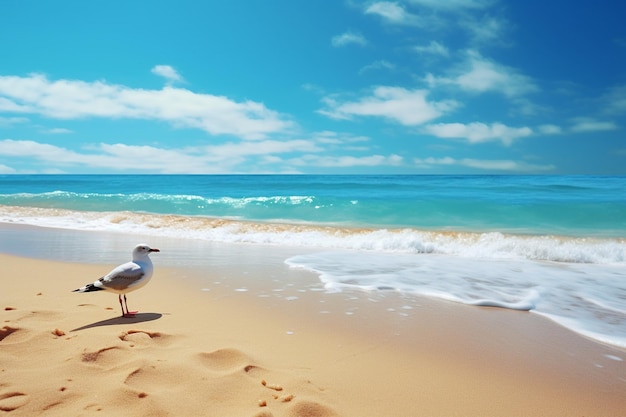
x=138, y=318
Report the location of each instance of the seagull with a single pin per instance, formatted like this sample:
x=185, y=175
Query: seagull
x=126, y=277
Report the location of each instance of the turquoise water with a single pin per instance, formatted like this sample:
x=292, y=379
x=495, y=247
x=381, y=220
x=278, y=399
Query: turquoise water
x=569, y=206
x=555, y=246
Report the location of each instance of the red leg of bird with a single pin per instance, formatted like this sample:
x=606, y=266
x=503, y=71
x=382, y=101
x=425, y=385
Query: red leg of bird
x=128, y=313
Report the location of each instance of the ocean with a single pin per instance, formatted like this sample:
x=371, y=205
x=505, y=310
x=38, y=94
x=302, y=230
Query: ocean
x=551, y=245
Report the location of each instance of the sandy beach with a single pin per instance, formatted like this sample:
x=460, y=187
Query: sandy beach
x=199, y=351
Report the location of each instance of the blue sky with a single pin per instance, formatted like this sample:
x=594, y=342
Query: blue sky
x=317, y=86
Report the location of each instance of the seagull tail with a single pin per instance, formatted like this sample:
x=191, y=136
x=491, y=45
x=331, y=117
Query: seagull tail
x=88, y=288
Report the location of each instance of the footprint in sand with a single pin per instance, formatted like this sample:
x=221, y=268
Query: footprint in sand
x=12, y=400
x=227, y=360
x=106, y=358
x=301, y=409
x=93, y=407
x=143, y=337
x=311, y=409
x=264, y=414
x=6, y=331
x=95, y=356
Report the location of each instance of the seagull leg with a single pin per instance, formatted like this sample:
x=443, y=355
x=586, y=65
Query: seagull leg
x=119, y=297
x=128, y=313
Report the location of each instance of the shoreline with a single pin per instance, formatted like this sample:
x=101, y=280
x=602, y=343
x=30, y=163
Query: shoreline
x=147, y=222
x=207, y=338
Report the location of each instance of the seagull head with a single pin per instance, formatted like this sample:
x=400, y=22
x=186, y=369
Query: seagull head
x=142, y=250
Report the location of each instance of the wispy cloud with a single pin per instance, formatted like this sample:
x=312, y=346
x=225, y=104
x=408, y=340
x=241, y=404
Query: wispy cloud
x=4, y=169
x=479, y=132
x=167, y=72
x=615, y=100
x=444, y=16
x=11, y=121
x=586, y=124
x=433, y=48
x=479, y=75
x=453, y=5
x=265, y=147
x=39, y=151
x=120, y=157
x=392, y=12
x=348, y=38
x=377, y=65
x=485, y=29
x=336, y=138
x=317, y=150
x=550, y=129
x=58, y=131
x=483, y=164
x=346, y=161
x=400, y=105
x=75, y=99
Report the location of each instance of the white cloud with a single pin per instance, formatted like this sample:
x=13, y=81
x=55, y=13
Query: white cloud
x=616, y=100
x=433, y=48
x=39, y=151
x=72, y=99
x=392, y=12
x=265, y=147
x=584, y=124
x=468, y=17
x=6, y=169
x=407, y=107
x=348, y=38
x=9, y=106
x=479, y=132
x=58, y=131
x=10, y=121
x=479, y=75
x=167, y=72
x=124, y=157
x=453, y=5
x=484, y=164
x=378, y=65
x=347, y=161
x=121, y=157
x=485, y=75
x=228, y=157
x=335, y=138
x=550, y=129
x=478, y=26
x=485, y=28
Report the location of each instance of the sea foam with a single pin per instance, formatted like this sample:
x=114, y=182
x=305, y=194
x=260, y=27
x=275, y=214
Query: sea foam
x=586, y=298
x=488, y=245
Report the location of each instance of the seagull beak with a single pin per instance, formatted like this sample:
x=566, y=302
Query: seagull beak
x=154, y=250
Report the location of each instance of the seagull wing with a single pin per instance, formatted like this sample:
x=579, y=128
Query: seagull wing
x=123, y=277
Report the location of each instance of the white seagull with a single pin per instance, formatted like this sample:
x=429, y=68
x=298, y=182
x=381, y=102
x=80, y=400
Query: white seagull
x=126, y=277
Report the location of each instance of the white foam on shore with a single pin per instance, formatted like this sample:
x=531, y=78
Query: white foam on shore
x=490, y=245
x=586, y=298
